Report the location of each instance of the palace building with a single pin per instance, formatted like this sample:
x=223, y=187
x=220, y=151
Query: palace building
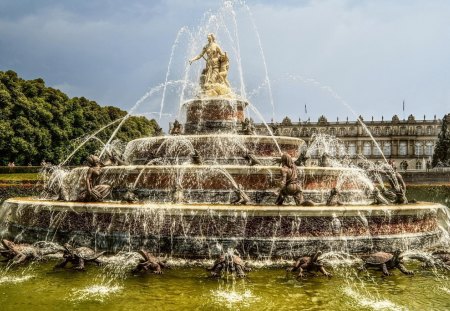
x=411, y=140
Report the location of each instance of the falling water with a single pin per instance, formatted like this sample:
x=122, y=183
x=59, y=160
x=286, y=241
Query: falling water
x=90, y=137
x=261, y=51
x=252, y=107
x=136, y=105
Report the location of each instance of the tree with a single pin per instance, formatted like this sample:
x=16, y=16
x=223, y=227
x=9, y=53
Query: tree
x=442, y=148
x=41, y=123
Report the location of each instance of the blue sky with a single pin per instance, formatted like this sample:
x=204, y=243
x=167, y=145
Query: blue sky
x=371, y=55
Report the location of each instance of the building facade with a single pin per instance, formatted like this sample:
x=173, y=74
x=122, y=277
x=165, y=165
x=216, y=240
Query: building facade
x=408, y=140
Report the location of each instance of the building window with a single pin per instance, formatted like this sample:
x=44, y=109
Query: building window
x=342, y=131
x=367, y=149
x=418, y=149
x=403, y=130
x=402, y=148
x=351, y=149
x=376, y=150
x=353, y=130
x=313, y=131
x=387, y=149
x=429, y=148
x=305, y=132
x=419, y=165
x=333, y=131
x=419, y=130
x=377, y=131
x=387, y=131
x=429, y=130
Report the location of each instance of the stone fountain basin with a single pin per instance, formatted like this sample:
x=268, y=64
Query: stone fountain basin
x=196, y=230
x=217, y=183
x=210, y=146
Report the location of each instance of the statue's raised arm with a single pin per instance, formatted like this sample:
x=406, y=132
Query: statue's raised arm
x=198, y=56
x=213, y=80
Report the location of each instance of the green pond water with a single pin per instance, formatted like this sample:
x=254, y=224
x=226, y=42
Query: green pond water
x=38, y=286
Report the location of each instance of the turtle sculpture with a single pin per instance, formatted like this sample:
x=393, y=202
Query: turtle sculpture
x=309, y=264
x=229, y=263
x=150, y=262
x=78, y=257
x=438, y=259
x=19, y=253
x=378, y=198
x=251, y=159
x=241, y=196
x=385, y=262
x=443, y=257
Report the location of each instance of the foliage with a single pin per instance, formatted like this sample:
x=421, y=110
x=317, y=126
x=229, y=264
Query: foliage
x=41, y=123
x=442, y=148
x=20, y=177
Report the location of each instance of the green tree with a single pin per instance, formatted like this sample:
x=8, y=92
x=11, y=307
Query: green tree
x=41, y=123
x=442, y=148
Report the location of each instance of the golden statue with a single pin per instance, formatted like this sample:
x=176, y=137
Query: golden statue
x=213, y=80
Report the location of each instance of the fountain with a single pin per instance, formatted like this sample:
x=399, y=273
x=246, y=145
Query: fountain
x=214, y=184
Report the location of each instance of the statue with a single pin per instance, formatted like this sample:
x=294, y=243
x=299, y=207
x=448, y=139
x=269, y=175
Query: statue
x=399, y=185
x=213, y=80
x=302, y=158
x=130, y=196
x=333, y=199
x=247, y=127
x=241, y=196
x=275, y=129
x=196, y=158
x=229, y=263
x=252, y=160
x=177, y=128
x=290, y=185
x=150, y=263
x=93, y=192
x=309, y=264
x=378, y=198
x=114, y=159
x=325, y=160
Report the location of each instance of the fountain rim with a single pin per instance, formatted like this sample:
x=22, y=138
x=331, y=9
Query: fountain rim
x=207, y=99
x=257, y=138
x=256, y=169
x=208, y=209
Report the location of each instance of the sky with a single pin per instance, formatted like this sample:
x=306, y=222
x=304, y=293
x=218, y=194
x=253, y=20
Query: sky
x=302, y=59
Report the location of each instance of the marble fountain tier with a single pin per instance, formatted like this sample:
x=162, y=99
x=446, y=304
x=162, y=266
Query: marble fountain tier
x=174, y=195
x=182, y=186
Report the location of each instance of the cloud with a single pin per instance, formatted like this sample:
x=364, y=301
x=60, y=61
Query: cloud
x=372, y=53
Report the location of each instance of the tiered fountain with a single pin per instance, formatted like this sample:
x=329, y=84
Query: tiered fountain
x=212, y=184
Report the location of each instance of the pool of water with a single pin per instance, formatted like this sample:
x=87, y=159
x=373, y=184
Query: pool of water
x=40, y=287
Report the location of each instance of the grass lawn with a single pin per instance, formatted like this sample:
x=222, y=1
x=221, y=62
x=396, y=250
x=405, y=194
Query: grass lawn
x=19, y=176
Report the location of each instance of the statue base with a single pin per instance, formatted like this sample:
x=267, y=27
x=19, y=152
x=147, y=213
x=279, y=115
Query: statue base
x=212, y=115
